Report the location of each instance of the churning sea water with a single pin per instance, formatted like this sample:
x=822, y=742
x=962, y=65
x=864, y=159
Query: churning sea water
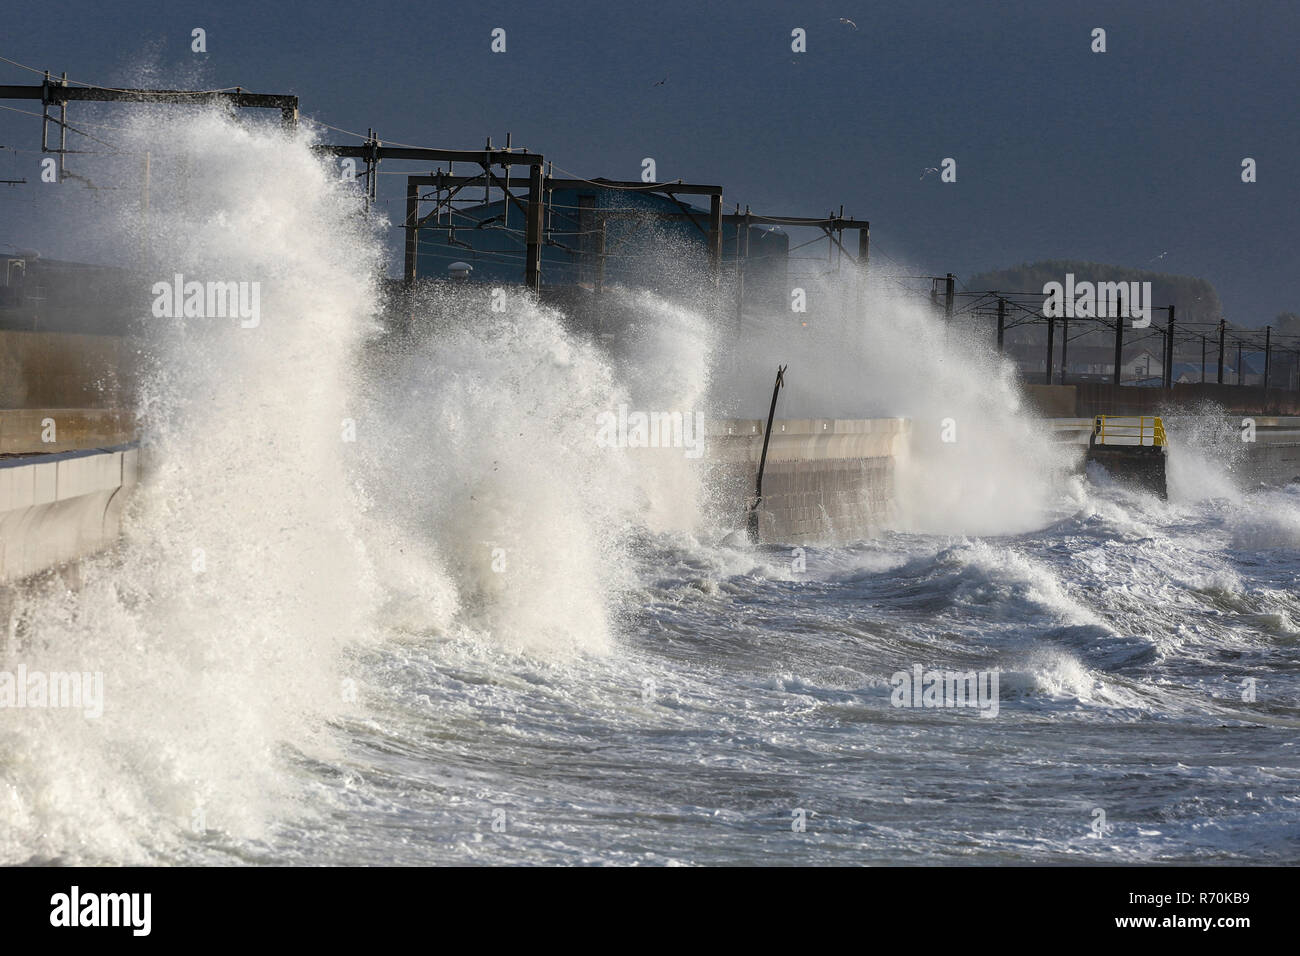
x=381, y=598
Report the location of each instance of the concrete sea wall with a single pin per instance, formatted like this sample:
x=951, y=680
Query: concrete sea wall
x=64, y=475
x=831, y=481
x=55, y=509
x=826, y=481
x=40, y=431
x=65, y=370
x=1273, y=458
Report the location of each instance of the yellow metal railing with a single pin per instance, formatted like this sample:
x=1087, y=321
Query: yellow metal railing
x=1129, y=430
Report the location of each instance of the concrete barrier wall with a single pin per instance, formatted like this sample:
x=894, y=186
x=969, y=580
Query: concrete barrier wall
x=1052, y=401
x=25, y=431
x=65, y=370
x=55, y=509
x=1274, y=456
x=1272, y=464
x=1086, y=399
x=826, y=481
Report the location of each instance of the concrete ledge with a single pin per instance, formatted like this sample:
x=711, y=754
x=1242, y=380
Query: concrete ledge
x=809, y=439
x=23, y=430
x=57, y=508
x=747, y=427
x=784, y=448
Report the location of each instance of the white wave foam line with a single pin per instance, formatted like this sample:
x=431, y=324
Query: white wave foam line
x=1039, y=585
x=1056, y=673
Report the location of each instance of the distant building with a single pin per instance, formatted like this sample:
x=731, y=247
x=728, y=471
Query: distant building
x=1088, y=363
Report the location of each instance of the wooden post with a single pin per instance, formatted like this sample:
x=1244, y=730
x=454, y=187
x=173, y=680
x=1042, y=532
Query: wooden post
x=1065, y=348
x=63, y=128
x=1119, y=348
x=752, y=518
x=533, y=232
x=715, y=238
x=742, y=254
x=412, y=231
x=45, y=113
x=1051, y=338
x=860, y=273
x=1169, y=350
x=1223, y=329
x=1268, y=353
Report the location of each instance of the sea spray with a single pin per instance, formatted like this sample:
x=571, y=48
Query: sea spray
x=313, y=481
x=219, y=621
x=492, y=450
x=1205, y=451
x=979, y=460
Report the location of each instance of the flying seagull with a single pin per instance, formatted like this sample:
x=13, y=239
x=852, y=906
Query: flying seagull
x=847, y=22
x=662, y=82
x=929, y=170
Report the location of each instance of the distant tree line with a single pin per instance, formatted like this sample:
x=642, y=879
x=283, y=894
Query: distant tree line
x=1196, y=299
x=1198, y=305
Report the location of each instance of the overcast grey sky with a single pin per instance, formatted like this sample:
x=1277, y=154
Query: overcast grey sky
x=1061, y=152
